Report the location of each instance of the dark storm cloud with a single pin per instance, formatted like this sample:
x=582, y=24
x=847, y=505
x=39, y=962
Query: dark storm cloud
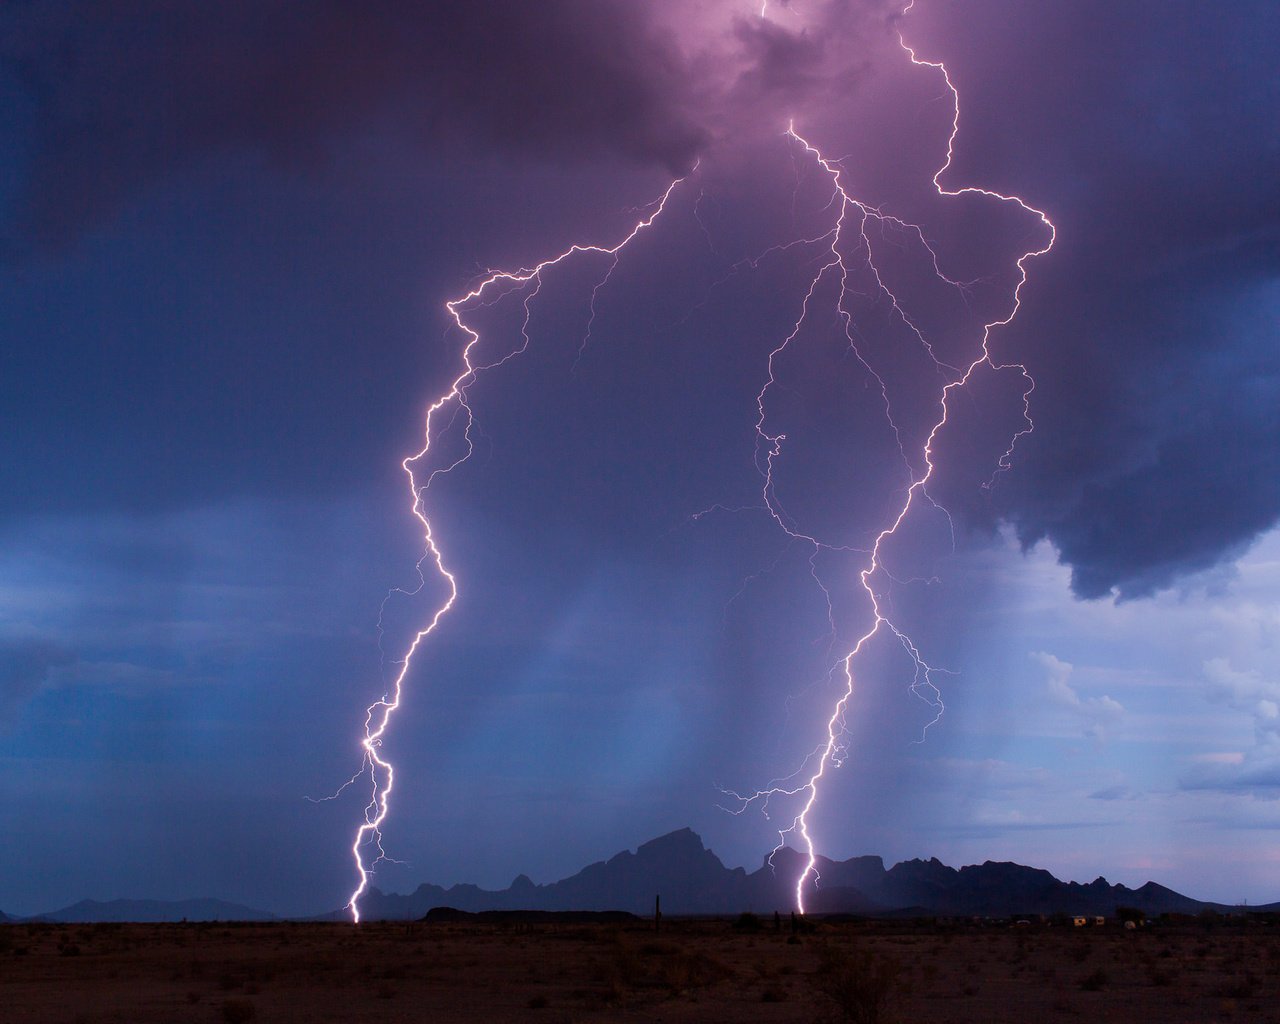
x=782, y=69
x=1259, y=777
x=1152, y=329
x=122, y=94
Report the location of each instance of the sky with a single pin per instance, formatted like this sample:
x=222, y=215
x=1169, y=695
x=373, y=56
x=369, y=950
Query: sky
x=227, y=238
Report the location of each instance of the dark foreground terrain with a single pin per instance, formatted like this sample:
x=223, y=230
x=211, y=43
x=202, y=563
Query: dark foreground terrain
x=692, y=970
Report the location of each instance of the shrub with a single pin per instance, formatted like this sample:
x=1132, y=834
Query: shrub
x=237, y=1011
x=861, y=984
x=687, y=971
x=1094, y=982
x=1240, y=987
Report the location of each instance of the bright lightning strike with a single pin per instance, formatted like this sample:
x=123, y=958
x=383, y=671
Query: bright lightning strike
x=829, y=753
x=368, y=837
x=847, y=235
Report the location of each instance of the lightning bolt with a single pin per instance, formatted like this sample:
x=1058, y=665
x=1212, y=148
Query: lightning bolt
x=829, y=754
x=441, y=415
x=849, y=234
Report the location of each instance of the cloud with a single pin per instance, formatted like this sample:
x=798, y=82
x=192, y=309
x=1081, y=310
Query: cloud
x=1257, y=770
x=1259, y=775
x=999, y=825
x=1247, y=691
x=26, y=665
x=1219, y=757
x=1096, y=711
x=994, y=775
x=1115, y=793
x=786, y=67
x=1150, y=330
x=122, y=97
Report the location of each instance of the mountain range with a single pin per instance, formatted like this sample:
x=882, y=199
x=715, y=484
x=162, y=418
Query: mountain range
x=87, y=911
x=690, y=879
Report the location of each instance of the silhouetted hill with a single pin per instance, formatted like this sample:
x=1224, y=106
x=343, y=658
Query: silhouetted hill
x=150, y=911
x=692, y=880
x=451, y=916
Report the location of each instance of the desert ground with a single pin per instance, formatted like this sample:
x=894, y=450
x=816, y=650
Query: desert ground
x=731, y=970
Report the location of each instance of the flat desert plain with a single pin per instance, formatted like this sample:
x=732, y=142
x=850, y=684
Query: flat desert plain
x=690, y=970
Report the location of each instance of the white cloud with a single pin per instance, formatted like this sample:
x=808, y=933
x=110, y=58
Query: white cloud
x=1257, y=770
x=1095, y=711
x=1219, y=757
x=1247, y=690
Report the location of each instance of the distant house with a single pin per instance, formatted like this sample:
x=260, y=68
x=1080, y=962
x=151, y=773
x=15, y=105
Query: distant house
x=1099, y=921
x=1079, y=920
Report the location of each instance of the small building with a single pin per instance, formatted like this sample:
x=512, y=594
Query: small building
x=1079, y=920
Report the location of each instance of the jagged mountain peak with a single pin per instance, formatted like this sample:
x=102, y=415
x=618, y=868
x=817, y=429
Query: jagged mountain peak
x=689, y=878
x=682, y=840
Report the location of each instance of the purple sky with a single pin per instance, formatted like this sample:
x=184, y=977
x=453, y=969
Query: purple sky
x=226, y=244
